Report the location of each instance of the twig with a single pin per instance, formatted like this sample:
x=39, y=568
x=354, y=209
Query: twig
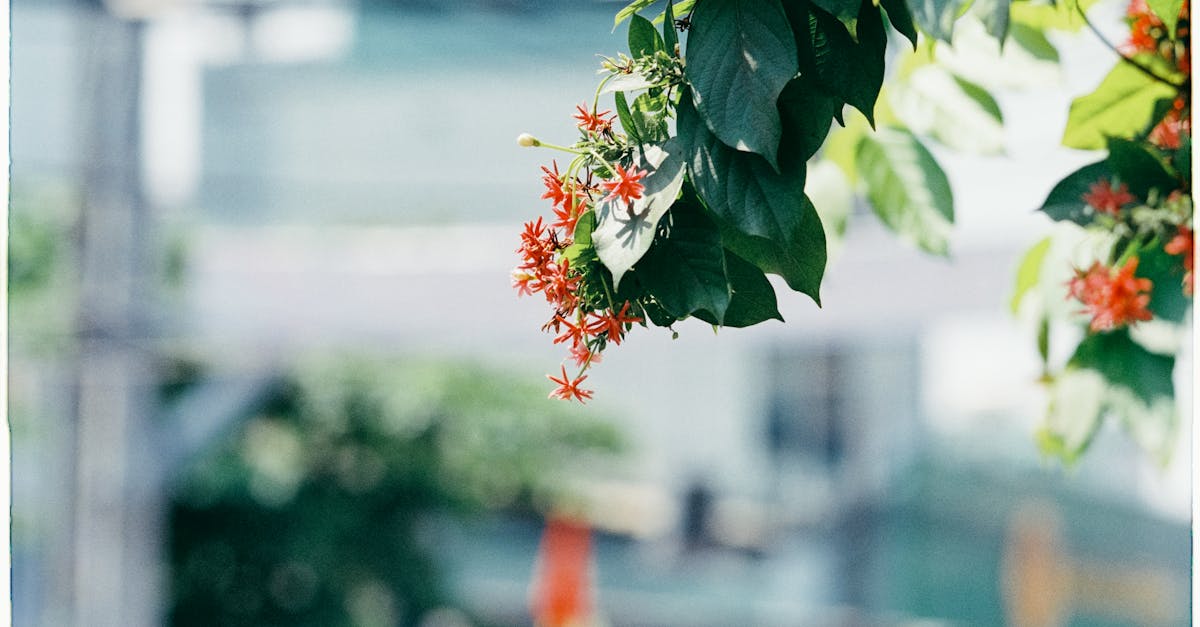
x=1108, y=44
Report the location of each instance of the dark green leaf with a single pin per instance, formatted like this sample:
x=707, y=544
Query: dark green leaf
x=901, y=19
x=807, y=113
x=658, y=316
x=907, y=188
x=764, y=215
x=1139, y=168
x=936, y=17
x=643, y=37
x=741, y=54
x=1124, y=363
x=741, y=188
x=752, y=298
x=800, y=260
x=853, y=71
x=846, y=12
x=1065, y=201
x=1120, y=107
x=624, y=234
x=1183, y=158
x=685, y=271
x=1165, y=271
x=670, y=37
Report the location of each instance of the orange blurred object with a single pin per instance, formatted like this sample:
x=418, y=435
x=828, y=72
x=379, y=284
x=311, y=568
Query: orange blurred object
x=562, y=586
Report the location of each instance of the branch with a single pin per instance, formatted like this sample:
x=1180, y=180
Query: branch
x=1108, y=44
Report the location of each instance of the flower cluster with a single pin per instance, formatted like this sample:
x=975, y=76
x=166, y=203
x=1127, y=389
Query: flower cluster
x=1113, y=297
x=586, y=317
x=1148, y=34
x=1184, y=243
x=1104, y=199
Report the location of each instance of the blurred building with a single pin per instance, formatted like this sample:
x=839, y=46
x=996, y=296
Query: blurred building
x=246, y=182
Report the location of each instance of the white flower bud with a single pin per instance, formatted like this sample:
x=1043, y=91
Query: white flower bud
x=527, y=140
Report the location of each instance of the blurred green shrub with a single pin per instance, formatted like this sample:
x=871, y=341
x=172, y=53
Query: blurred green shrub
x=312, y=512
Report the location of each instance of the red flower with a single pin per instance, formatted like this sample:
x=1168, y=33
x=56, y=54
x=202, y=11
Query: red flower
x=574, y=204
x=1184, y=243
x=613, y=325
x=1112, y=299
x=1174, y=125
x=561, y=286
x=627, y=186
x=561, y=586
x=574, y=332
x=1105, y=199
x=582, y=355
x=592, y=121
x=568, y=388
x=554, y=185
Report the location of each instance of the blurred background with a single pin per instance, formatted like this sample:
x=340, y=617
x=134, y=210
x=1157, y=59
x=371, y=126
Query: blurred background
x=266, y=367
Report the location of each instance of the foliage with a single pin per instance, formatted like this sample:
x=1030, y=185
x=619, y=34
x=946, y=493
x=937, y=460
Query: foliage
x=704, y=162
x=741, y=96
x=1137, y=201
x=311, y=512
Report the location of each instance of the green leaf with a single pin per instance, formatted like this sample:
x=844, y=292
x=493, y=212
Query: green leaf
x=982, y=97
x=1140, y=169
x=741, y=188
x=1121, y=106
x=1065, y=202
x=853, y=71
x=643, y=37
x=1168, y=12
x=907, y=188
x=670, y=37
x=800, y=260
x=1165, y=271
x=846, y=12
x=1029, y=272
x=1074, y=415
x=626, y=117
x=633, y=81
x=957, y=113
x=1125, y=364
x=752, y=299
x=630, y=10
x=765, y=216
x=901, y=19
x=1034, y=42
x=624, y=234
x=649, y=116
x=1060, y=15
x=741, y=54
x=1183, y=158
x=936, y=17
x=995, y=17
x=685, y=270
x=806, y=111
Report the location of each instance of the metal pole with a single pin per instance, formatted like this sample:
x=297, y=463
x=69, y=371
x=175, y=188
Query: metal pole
x=117, y=519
